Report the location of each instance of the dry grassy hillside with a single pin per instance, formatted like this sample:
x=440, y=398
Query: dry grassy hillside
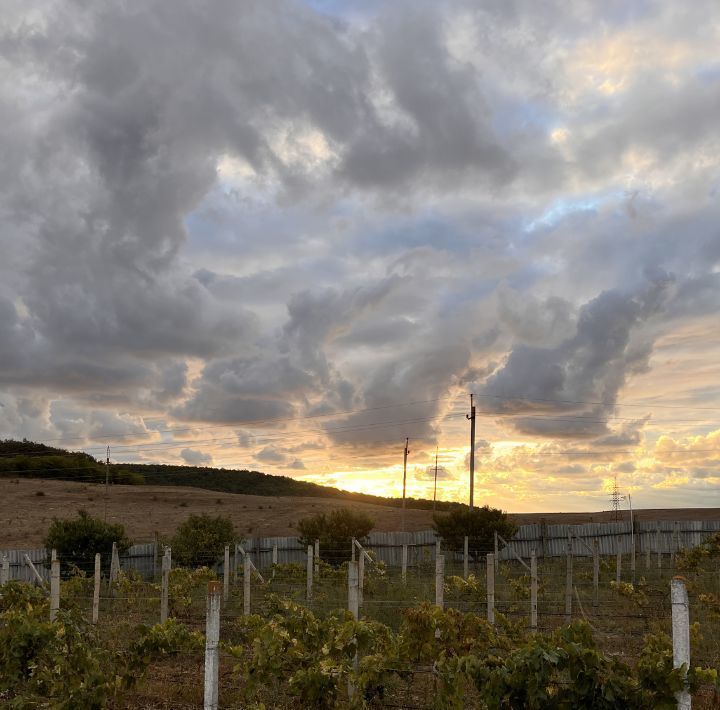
x=28, y=507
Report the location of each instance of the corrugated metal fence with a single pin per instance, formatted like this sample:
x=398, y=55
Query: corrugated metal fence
x=138, y=557
x=547, y=541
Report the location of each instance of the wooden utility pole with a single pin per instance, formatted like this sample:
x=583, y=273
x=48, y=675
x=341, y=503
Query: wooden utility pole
x=406, y=451
x=107, y=479
x=471, y=417
x=435, y=489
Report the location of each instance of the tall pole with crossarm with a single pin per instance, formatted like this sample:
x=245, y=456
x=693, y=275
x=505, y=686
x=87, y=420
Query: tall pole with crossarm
x=471, y=417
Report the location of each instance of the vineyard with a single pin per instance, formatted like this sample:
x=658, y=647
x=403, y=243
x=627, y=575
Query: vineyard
x=359, y=634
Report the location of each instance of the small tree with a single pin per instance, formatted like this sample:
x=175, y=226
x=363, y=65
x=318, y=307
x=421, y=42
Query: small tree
x=77, y=540
x=201, y=540
x=335, y=530
x=478, y=525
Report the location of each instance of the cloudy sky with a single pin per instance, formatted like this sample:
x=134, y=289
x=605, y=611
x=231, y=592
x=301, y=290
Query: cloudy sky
x=286, y=235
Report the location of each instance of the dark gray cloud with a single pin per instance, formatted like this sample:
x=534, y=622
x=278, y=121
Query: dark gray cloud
x=196, y=458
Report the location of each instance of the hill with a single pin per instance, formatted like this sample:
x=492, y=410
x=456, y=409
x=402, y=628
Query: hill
x=27, y=459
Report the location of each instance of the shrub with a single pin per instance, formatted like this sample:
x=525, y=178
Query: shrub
x=478, y=524
x=335, y=530
x=77, y=540
x=201, y=540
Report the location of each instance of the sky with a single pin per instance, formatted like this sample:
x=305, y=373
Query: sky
x=287, y=235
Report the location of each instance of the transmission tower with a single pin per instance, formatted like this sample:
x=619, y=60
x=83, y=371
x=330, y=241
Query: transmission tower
x=615, y=498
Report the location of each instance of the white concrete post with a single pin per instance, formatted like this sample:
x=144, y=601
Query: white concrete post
x=496, y=557
x=353, y=601
x=247, y=578
x=618, y=566
x=439, y=581
x=309, y=572
x=596, y=572
x=5, y=570
x=226, y=574
x=361, y=579
x=114, y=567
x=569, y=582
x=212, y=646
x=317, y=557
x=533, y=591
x=680, y=635
x=404, y=563
x=165, y=586
x=274, y=555
x=352, y=550
x=96, y=591
x=466, y=556
x=54, y=588
x=490, y=588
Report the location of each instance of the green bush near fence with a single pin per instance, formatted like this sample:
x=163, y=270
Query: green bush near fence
x=77, y=540
x=335, y=530
x=201, y=540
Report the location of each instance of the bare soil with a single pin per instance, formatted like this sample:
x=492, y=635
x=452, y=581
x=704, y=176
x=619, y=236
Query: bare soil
x=28, y=506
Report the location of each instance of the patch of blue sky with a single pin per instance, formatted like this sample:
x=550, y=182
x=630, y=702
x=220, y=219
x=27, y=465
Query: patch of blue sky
x=709, y=74
x=345, y=9
x=513, y=115
x=565, y=207
x=430, y=230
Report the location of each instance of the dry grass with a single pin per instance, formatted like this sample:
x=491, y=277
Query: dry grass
x=25, y=515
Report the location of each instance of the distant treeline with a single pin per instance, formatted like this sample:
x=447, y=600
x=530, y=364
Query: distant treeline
x=28, y=459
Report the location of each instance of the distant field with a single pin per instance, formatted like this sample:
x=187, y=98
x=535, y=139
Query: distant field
x=25, y=515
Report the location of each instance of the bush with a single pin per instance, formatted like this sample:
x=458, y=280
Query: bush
x=201, y=540
x=78, y=540
x=478, y=525
x=335, y=531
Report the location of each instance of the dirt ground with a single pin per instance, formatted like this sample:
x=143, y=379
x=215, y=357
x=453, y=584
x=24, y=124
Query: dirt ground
x=27, y=508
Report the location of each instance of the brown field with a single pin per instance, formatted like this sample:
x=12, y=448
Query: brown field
x=25, y=514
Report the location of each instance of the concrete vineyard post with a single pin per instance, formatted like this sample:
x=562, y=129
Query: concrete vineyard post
x=353, y=606
x=353, y=601
x=439, y=581
x=361, y=578
x=247, y=574
x=114, y=567
x=96, y=591
x=54, y=588
x=165, y=586
x=596, y=572
x=274, y=555
x=533, y=591
x=404, y=563
x=618, y=566
x=226, y=574
x=496, y=557
x=309, y=589
x=490, y=587
x=212, y=646
x=316, y=556
x=680, y=634
x=569, y=582
x=5, y=570
x=466, y=551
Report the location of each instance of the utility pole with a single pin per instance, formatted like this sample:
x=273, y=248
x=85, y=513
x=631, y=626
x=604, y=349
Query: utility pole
x=107, y=478
x=435, y=489
x=406, y=451
x=471, y=417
